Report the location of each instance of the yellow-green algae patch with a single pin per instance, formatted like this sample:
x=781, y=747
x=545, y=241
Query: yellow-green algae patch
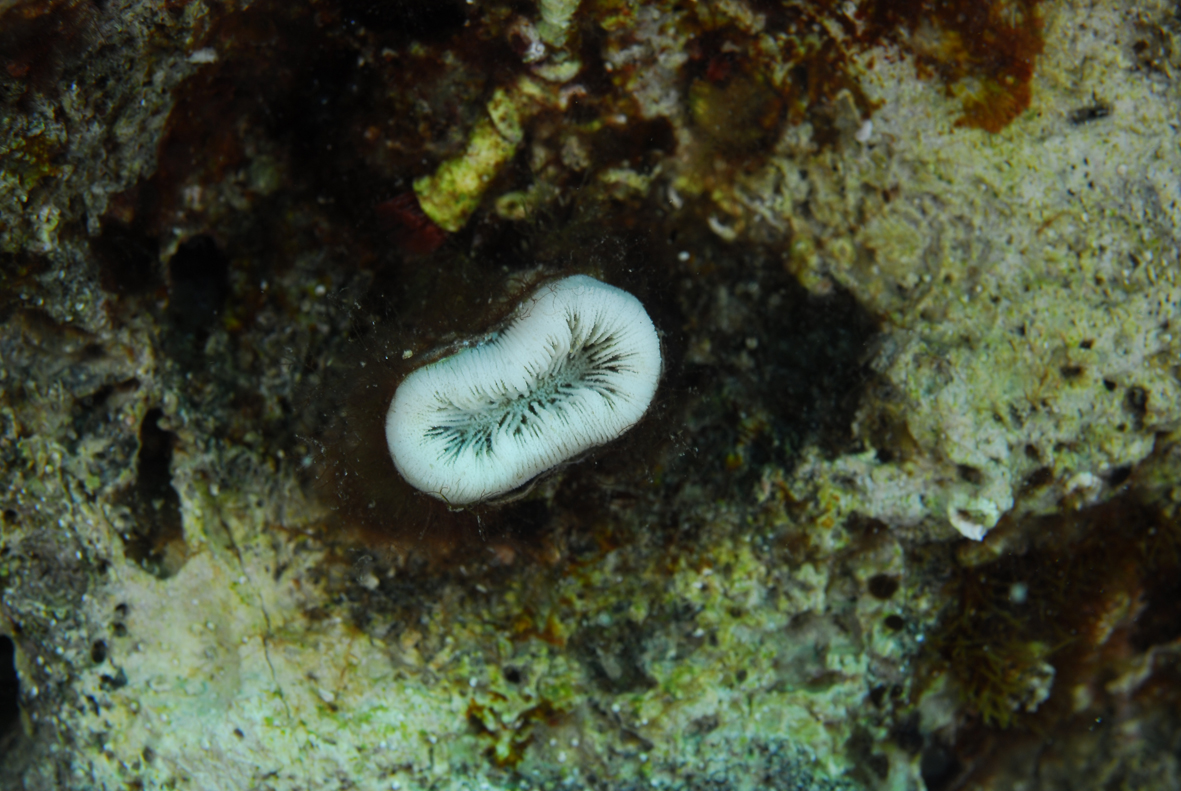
x=232, y=668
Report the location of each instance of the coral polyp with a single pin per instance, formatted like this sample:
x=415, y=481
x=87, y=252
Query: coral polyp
x=576, y=367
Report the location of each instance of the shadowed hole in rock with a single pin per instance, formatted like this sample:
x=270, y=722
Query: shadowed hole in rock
x=783, y=368
x=110, y=683
x=813, y=360
x=1136, y=404
x=198, y=276
x=1039, y=478
x=1119, y=475
x=412, y=20
x=970, y=474
x=614, y=657
x=527, y=520
x=154, y=539
x=939, y=766
x=907, y=734
x=127, y=259
x=882, y=586
x=9, y=695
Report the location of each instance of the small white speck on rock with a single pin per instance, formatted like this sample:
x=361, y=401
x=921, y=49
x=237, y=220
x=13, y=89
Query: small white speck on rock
x=202, y=56
x=1018, y=592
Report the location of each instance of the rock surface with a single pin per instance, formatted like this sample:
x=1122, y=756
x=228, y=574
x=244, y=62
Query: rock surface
x=906, y=503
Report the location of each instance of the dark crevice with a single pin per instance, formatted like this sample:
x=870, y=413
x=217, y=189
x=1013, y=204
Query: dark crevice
x=940, y=767
x=199, y=284
x=155, y=538
x=127, y=259
x=613, y=657
x=527, y=520
x=786, y=370
x=882, y=586
x=9, y=695
x=407, y=20
x=815, y=366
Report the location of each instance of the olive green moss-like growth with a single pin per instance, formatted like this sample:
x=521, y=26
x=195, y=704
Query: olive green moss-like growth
x=1001, y=668
x=1023, y=630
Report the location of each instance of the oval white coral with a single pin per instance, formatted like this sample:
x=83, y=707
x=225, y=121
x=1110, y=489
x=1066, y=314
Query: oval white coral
x=576, y=366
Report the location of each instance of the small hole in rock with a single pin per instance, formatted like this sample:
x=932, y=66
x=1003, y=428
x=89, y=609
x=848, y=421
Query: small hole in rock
x=882, y=586
x=1119, y=475
x=1037, y=479
x=111, y=683
x=9, y=691
x=970, y=474
x=939, y=767
x=1136, y=402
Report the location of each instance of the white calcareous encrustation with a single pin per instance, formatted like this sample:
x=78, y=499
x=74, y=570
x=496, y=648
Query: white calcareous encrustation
x=575, y=367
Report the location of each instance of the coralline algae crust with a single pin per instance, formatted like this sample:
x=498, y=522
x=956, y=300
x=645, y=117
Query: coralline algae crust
x=1028, y=279
x=218, y=670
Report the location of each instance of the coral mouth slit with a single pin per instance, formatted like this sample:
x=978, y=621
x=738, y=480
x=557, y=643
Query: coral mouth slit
x=576, y=366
